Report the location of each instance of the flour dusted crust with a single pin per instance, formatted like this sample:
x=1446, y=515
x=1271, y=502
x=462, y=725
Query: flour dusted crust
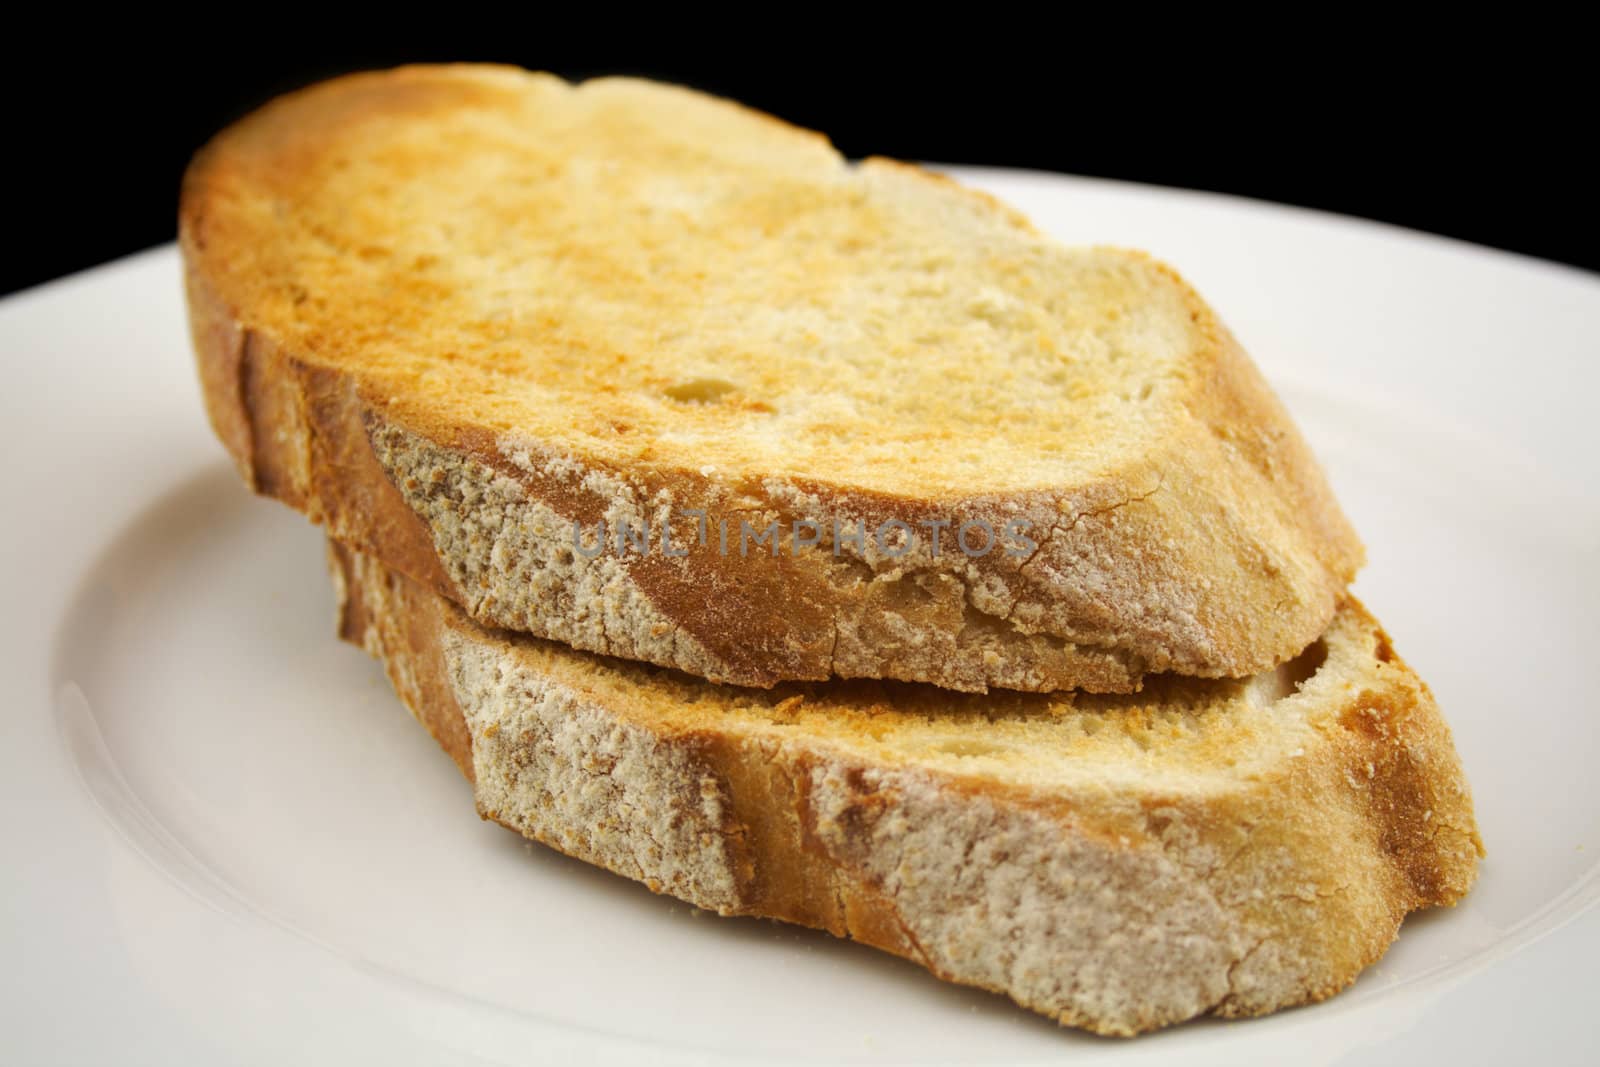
x=1223, y=848
x=1182, y=524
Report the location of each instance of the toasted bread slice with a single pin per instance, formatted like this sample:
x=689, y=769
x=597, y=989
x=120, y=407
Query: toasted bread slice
x=1118, y=863
x=460, y=314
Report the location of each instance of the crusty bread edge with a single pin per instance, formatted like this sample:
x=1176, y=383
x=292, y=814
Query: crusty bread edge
x=1158, y=910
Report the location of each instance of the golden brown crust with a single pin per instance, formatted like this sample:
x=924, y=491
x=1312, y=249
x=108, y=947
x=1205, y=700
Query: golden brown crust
x=1113, y=907
x=414, y=661
x=1215, y=550
x=295, y=432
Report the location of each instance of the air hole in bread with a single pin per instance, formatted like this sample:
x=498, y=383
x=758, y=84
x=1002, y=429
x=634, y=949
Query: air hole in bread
x=700, y=390
x=1299, y=670
x=911, y=591
x=961, y=746
x=1273, y=686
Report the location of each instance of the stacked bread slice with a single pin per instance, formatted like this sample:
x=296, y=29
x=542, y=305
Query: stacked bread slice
x=819, y=541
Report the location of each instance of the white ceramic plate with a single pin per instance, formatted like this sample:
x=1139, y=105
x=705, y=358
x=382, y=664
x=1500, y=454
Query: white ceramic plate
x=225, y=840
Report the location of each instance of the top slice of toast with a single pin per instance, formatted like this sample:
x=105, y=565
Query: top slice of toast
x=476, y=319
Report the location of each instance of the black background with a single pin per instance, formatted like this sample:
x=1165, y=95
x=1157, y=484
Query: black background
x=1487, y=141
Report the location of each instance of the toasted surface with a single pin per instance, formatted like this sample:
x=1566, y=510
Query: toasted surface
x=583, y=265
x=1116, y=863
x=619, y=300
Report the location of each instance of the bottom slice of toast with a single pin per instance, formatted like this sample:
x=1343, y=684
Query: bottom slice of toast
x=1117, y=863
